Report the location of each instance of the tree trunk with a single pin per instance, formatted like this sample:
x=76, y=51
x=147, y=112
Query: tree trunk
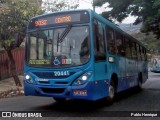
x=13, y=68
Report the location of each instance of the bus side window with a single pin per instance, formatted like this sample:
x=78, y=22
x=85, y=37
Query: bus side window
x=138, y=53
x=140, y=57
x=99, y=44
x=128, y=48
x=143, y=54
x=119, y=45
x=134, y=52
x=110, y=41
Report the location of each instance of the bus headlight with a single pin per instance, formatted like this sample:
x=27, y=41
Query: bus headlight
x=28, y=78
x=82, y=79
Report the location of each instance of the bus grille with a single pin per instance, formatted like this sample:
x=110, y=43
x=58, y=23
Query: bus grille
x=53, y=90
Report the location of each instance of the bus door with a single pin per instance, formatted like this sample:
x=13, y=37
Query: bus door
x=100, y=68
x=111, y=56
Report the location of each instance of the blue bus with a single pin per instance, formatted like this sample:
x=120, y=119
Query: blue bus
x=79, y=54
x=155, y=67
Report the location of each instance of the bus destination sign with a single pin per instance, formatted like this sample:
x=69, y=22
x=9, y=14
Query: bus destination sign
x=57, y=19
x=53, y=19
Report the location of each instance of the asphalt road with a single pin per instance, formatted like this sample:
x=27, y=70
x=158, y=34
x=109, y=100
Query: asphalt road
x=127, y=102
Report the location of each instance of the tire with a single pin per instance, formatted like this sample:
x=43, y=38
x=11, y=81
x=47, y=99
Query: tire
x=111, y=92
x=139, y=86
x=60, y=100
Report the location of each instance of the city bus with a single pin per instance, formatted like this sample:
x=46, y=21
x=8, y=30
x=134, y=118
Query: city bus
x=155, y=65
x=78, y=54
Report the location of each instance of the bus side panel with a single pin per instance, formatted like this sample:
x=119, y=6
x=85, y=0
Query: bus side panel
x=127, y=73
x=131, y=73
x=122, y=81
x=100, y=79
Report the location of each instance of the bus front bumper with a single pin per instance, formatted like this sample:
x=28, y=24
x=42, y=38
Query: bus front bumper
x=85, y=92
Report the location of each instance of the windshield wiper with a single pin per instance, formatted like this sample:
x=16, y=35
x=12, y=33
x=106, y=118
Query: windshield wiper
x=57, y=41
x=63, y=35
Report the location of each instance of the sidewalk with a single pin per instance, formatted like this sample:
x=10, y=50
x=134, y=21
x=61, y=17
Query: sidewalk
x=8, y=88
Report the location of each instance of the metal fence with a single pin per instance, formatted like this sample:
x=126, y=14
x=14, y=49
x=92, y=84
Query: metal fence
x=18, y=55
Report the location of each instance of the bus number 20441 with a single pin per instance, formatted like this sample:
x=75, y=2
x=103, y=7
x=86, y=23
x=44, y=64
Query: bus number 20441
x=61, y=73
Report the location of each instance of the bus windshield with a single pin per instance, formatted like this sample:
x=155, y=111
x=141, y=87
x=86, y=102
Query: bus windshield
x=59, y=47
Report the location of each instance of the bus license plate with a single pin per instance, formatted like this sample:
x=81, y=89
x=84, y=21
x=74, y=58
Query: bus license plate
x=80, y=92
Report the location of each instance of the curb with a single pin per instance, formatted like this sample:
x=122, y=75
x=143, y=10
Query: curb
x=12, y=93
x=9, y=89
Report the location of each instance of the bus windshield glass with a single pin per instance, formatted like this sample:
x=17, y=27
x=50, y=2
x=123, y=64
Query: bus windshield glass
x=59, y=47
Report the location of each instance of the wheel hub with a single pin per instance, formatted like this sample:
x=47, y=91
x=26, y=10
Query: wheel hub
x=111, y=91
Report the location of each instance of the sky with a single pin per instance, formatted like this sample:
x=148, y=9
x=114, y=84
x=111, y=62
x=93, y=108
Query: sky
x=85, y=4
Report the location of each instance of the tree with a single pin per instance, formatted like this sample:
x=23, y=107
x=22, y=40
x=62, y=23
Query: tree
x=58, y=5
x=146, y=11
x=14, y=15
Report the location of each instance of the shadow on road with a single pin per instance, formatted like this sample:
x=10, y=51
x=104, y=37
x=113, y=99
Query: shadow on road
x=74, y=106
x=81, y=106
x=127, y=93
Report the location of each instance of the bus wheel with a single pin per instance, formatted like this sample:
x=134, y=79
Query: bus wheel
x=59, y=100
x=111, y=92
x=139, y=82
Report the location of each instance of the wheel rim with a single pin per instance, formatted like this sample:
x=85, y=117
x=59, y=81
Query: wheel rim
x=111, y=91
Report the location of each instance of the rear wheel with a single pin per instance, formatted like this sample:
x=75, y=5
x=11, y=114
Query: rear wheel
x=139, y=82
x=59, y=100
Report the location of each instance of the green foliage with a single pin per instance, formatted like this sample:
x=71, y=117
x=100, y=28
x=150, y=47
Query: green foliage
x=147, y=11
x=8, y=44
x=14, y=16
x=152, y=43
